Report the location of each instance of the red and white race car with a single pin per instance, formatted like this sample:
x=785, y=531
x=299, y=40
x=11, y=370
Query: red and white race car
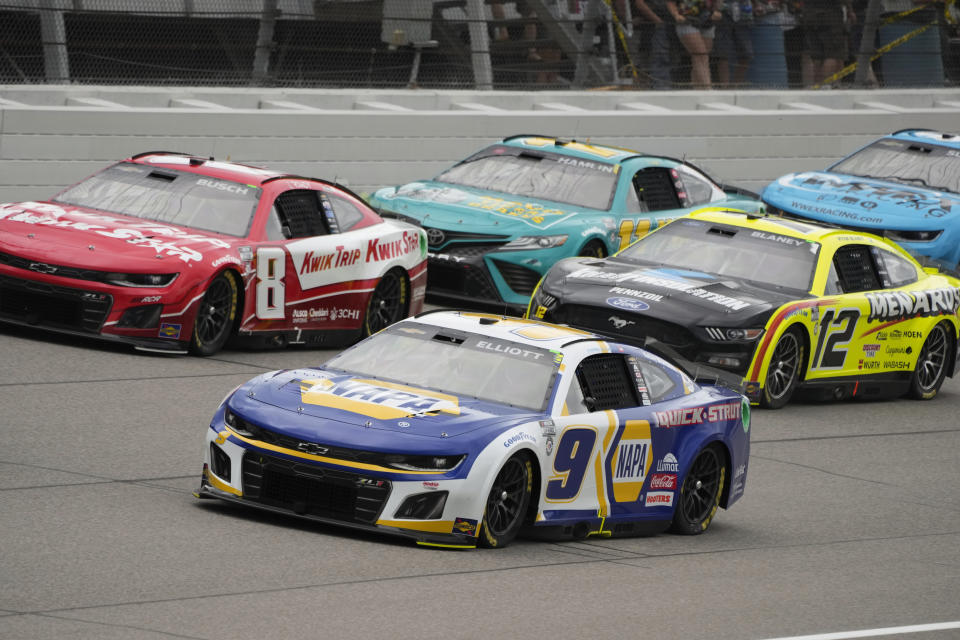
x=172, y=252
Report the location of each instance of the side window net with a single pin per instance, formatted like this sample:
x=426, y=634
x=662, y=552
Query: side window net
x=855, y=269
x=655, y=186
x=606, y=380
x=299, y=213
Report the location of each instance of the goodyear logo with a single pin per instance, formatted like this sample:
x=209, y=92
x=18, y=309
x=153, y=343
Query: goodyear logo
x=375, y=398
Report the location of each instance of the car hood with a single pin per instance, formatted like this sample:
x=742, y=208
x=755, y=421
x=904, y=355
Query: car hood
x=848, y=200
x=336, y=408
x=64, y=235
x=447, y=206
x=676, y=296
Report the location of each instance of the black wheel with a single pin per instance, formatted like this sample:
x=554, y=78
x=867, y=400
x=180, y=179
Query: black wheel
x=593, y=249
x=932, y=362
x=388, y=303
x=507, y=503
x=215, y=318
x=700, y=493
x=783, y=373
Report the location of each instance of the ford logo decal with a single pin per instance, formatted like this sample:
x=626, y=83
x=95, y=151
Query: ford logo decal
x=628, y=304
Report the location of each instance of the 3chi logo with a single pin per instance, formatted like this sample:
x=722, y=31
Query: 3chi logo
x=435, y=237
x=312, y=448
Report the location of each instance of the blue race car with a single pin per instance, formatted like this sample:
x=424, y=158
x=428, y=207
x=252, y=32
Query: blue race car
x=497, y=221
x=905, y=187
x=461, y=429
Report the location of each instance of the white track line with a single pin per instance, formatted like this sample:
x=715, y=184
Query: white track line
x=873, y=633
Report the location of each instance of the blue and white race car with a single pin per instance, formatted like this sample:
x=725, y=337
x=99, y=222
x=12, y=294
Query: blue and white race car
x=461, y=429
x=905, y=186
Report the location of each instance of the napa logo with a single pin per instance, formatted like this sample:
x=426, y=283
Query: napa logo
x=631, y=461
x=376, y=398
x=628, y=304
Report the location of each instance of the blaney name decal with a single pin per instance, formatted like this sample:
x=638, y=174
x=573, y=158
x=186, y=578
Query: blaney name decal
x=376, y=399
x=900, y=305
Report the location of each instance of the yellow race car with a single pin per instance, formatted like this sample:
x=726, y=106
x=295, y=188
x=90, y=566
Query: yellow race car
x=779, y=304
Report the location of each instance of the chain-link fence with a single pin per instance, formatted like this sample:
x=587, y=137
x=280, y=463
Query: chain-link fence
x=477, y=44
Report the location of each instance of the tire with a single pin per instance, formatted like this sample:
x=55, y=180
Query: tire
x=783, y=373
x=216, y=316
x=700, y=493
x=931, y=367
x=593, y=249
x=388, y=303
x=507, y=503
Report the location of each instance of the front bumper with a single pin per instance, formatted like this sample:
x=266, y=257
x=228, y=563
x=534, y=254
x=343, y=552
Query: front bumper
x=355, y=498
x=81, y=308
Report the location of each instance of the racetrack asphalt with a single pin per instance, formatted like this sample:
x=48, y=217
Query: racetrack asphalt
x=850, y=521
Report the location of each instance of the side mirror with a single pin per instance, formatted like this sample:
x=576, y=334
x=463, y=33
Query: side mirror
x=590, y=403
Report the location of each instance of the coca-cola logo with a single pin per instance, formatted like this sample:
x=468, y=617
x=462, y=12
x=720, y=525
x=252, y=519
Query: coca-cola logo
x=663, y=481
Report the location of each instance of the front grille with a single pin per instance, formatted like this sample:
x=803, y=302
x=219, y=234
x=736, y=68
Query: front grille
x=637, y=327
x=465, y=237
x=521, y=279
x=57, y=307
x=288, y=442
x=53, y=269
x=464, y=280
x=309, y=490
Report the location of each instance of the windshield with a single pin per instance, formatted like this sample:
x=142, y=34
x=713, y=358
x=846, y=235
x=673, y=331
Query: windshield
x=729, y=251
x=921, y=165
x=166, y=195
x=460, y=364
x=546, y=176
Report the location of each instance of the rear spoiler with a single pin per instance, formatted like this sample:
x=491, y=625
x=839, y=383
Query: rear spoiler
x=699, y=372
x=739, y=191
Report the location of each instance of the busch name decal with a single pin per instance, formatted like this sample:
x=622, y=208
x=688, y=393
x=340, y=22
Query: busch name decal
x=901, y=305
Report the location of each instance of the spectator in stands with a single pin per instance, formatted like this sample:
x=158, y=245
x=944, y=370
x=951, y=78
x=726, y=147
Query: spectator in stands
x=825, y=32
x=733, y=46
x=657, y=39
x=695, y=24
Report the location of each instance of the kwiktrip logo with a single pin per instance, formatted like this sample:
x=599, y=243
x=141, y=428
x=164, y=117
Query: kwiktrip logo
x=375, y=398
x=900, y=305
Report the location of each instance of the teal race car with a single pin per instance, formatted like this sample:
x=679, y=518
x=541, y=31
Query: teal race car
x=498, y=220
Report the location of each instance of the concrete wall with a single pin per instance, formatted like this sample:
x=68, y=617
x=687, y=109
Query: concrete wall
x=53, y=136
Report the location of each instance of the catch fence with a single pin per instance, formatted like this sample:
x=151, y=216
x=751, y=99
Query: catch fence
x=441, y=44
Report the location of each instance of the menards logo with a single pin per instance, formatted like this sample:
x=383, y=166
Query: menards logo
x=899, y=305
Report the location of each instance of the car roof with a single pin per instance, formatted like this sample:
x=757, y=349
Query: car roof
x=572, y=148
x=232, y=171
x=808, y=231
x=225, y=170
x=530, y=333
x=928, y=136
